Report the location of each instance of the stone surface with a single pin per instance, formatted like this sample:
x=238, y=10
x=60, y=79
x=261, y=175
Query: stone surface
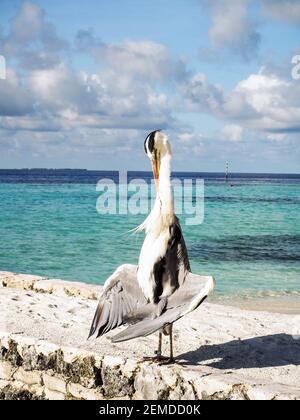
x=6, y=370
x=13, y=280
x=81, y=393
x=28, y=377
x=63, y=288
x=46, y=285
x=222, y=352
x=53, y=395
x=54, y=383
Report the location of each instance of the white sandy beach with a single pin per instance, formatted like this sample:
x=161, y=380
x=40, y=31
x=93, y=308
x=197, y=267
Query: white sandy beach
x=226, y=345
x=280, y=304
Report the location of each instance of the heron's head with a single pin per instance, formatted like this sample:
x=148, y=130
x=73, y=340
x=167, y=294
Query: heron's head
x=157, y=146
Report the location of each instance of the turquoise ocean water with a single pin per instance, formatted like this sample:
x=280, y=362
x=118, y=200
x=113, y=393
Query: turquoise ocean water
x=249, y=240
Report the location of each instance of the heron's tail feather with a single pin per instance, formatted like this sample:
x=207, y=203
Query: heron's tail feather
x=139, y=315
x=149, y=311
x=147, y=326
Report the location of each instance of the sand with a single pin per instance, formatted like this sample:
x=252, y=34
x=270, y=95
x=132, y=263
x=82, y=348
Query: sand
x=253, y=346
x=281, y=305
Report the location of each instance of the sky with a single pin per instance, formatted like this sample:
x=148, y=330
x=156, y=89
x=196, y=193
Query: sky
x=86, y=81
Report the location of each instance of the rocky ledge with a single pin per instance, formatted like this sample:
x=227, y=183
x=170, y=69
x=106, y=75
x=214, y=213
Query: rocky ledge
x=222, y=352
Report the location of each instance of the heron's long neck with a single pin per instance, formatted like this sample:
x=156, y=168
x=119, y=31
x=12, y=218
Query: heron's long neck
x=164, y=194
x=162, y=215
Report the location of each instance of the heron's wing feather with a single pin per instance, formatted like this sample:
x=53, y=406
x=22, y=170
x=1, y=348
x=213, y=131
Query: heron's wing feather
x=121, y=296
x=186, y=299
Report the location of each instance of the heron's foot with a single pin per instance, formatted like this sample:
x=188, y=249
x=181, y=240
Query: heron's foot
x=167, y=361
x=162, y=360
x=158, y=358
x=153, y=359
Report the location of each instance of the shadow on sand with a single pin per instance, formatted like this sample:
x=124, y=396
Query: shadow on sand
x=257, y=352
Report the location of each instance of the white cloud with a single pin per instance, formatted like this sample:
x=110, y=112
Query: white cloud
x=200, y=95
x=28, y=24
x=261, y=89
x=143, y=59
x=263, y=101
x=282, y=10
x=32, y=39
x=187, y=137
x=233, y=28
x=60, y=88
x=275, y=100
x=234, y=24
x=15, y=99
x=232, y=132
x=278, y=137
x=48, y=94
x=65, y=99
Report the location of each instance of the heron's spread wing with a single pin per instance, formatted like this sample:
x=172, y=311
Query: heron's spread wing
x=121, y=296
x=185, y=299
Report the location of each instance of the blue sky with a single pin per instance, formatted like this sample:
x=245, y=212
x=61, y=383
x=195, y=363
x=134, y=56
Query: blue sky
x=87, y=80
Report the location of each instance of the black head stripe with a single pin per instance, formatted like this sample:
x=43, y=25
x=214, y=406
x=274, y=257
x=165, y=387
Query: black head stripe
x=151, y=141
x=145, y=143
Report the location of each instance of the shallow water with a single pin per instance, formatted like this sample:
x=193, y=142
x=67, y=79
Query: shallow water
x=249, y=240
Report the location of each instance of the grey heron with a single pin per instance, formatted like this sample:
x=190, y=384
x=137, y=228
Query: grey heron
x=150, y=297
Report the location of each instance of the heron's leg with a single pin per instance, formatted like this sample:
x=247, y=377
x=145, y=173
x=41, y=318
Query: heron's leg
x=158, y=357
x=171, y=342
x=159, y=344
x=169, y=360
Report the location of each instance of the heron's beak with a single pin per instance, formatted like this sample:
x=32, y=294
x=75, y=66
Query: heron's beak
x=156, y=167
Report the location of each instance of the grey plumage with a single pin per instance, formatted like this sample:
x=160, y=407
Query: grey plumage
x=122, y=302
x=186, y=299
x=120, y=297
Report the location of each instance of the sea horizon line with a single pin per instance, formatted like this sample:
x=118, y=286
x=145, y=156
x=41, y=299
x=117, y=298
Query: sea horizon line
x=2, y=170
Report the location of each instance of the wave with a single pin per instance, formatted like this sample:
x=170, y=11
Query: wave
x=253, y=200
x=249, y=294
x=248, y=248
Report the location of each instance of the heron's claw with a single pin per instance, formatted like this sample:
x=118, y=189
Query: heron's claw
x=152, y=359
x=159, y=359
x=167, y=361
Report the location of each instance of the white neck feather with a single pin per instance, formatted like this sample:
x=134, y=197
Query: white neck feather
x=162, y=215
x=164, y=194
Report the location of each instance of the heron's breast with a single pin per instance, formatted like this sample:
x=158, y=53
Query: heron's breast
x=153, y=251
